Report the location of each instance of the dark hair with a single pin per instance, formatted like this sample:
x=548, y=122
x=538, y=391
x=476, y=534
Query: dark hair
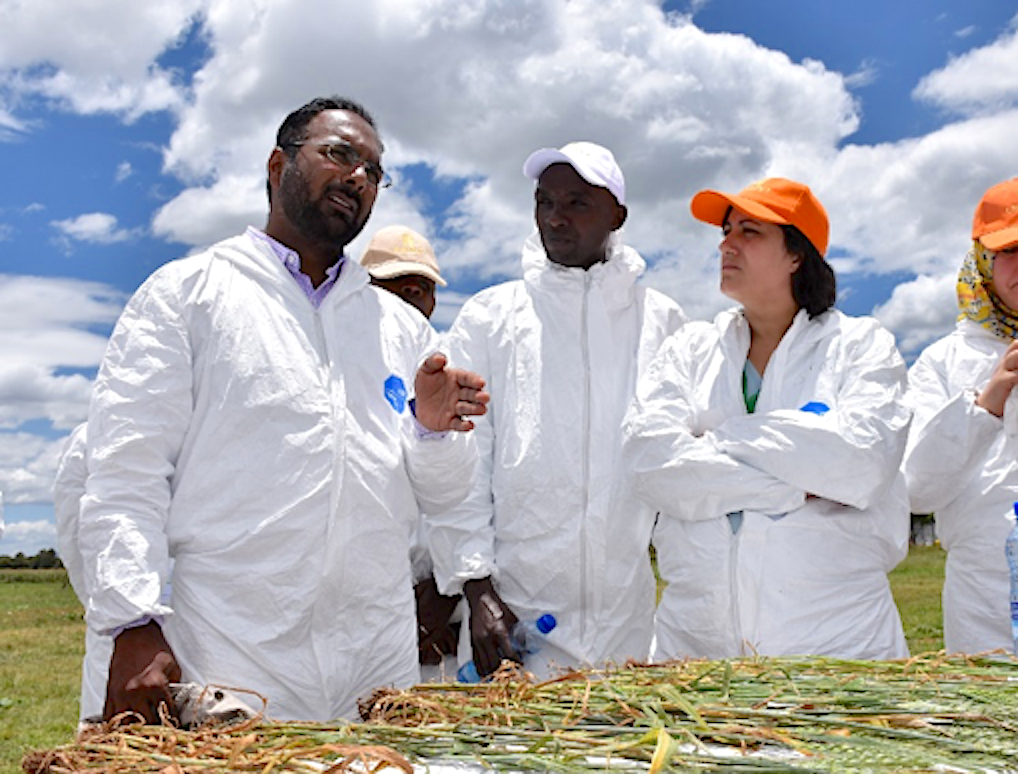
x=813, y=283
x=294, y=126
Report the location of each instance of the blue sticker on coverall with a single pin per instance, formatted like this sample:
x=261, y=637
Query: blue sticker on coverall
x=816, y=407
x=395, y=393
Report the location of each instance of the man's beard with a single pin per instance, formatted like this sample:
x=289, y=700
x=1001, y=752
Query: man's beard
x=309, y=217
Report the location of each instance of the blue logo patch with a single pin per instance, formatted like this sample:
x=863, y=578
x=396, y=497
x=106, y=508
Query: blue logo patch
x=816, y=407
x=395, y=393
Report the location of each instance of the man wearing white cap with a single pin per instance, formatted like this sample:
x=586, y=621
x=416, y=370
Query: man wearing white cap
x=552, y=524
x=403, y=262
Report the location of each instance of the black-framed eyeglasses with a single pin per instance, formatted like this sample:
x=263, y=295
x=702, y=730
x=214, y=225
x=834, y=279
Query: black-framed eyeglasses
x=343, y=155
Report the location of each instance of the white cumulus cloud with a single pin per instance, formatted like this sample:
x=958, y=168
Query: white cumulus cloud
x=983, y=79
x=96, y=227
x=27, y=537
x=52, y=332
x=920, y=311
x=28, y=464
x=470, y=89
x=99, y=56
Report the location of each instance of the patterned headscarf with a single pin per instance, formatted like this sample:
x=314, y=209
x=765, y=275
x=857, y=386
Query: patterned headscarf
x=977, y=300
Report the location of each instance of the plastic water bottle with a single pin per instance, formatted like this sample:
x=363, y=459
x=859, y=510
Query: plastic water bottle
x=526, y=639
x=1011, y=549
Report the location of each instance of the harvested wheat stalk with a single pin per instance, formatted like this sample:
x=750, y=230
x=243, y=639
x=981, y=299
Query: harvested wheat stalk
x=758, y=714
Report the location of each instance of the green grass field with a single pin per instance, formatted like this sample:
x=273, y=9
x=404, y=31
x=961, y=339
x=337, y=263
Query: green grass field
x=916, y=583
x=41, y=645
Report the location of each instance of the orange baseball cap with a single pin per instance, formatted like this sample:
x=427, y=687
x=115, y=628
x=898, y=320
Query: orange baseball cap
x=995, y=223
x=774, y=200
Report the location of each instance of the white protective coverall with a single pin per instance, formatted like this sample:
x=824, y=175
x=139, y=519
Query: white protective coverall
x=552, y=517
x=68, y=489
x=268, y=447
x=801, y=575
x=960, y=466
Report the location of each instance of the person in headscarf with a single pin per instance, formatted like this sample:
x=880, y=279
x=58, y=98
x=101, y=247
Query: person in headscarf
x=959, y=463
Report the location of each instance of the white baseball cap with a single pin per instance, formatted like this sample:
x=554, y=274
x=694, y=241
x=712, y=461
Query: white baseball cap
x=594, y=163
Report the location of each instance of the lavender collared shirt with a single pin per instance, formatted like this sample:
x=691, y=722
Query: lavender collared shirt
x=291, y=260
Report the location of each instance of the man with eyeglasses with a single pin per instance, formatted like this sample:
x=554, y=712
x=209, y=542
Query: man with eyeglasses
x=272, y=422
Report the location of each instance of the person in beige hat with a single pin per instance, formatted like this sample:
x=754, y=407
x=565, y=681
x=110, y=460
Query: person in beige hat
x=960, y=463
x=403, y=262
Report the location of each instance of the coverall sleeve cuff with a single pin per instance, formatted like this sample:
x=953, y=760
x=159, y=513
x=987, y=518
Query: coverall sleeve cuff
x=144, y=620
x=420, y=430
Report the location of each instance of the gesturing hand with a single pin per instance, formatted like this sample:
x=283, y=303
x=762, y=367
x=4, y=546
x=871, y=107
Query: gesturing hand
x=445, y=396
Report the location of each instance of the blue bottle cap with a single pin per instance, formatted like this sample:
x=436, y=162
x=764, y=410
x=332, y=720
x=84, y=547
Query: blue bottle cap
x=468, y=673
x=546, y=623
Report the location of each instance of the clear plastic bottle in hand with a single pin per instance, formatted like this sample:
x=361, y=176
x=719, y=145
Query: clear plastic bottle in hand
x=1011, y=549
x=526, y=638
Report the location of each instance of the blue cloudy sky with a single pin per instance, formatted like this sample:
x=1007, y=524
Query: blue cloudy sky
x=135, y=132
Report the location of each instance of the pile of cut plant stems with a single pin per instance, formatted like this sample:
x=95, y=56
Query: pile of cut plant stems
x=929, y=713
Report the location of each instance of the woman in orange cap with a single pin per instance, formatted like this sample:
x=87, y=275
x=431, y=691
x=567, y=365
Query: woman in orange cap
x=770, y=441
x=960, y=464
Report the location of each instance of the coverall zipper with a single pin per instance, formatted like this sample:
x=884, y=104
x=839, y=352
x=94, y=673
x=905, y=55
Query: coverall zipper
x=585, y=448
x=322, y=654
x=323, y=347
x=733, y=584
